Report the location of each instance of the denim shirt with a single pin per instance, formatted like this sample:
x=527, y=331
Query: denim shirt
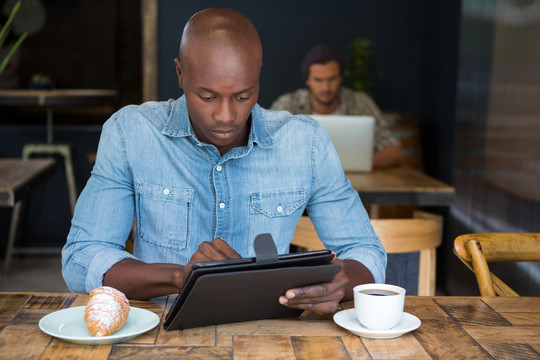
x=151, y=167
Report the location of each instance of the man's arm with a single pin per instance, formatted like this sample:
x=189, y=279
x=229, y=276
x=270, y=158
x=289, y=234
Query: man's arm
x=343, y=226
x=139, y=280
x=391, y=155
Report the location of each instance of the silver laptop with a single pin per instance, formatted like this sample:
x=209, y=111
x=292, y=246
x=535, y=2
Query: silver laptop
x=353, y=139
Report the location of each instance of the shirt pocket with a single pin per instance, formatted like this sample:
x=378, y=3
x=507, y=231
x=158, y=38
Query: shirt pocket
x=277, y=203
x=164, y=215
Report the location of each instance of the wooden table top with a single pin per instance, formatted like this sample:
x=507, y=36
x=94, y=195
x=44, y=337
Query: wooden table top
x=55, y=97
x=401, y=185
x=452, y=328
x=19, y=177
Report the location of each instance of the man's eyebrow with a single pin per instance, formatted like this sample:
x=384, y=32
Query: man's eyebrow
x=249, y=89
x=324, y=77
x=237, y=93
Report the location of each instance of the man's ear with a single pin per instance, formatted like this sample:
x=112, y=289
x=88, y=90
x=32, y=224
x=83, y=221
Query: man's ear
x=179, y=72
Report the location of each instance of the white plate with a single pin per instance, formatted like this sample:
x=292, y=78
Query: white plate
x=347, y=319
x=69, y=325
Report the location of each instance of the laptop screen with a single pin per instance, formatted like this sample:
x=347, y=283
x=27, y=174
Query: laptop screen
x=352, y=137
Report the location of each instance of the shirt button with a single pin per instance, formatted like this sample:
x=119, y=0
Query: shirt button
x=279, y=209
x=222, y=205
x=166, y=191
x=218, y=168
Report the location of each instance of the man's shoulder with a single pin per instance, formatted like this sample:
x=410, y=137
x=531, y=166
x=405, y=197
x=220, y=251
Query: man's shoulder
x=346, y=92
x=354, y=102
x=153, y=111
x=285, y=118
x=291, y=101
x=149, y=107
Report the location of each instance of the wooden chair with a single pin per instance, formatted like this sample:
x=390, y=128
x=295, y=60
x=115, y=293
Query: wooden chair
x=423, y=234
x=476, y=250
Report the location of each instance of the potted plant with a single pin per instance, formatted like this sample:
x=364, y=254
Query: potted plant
x=360, y=71
x=4, y=32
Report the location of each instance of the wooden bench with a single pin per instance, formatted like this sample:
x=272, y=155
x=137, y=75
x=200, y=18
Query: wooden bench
x=18, y=178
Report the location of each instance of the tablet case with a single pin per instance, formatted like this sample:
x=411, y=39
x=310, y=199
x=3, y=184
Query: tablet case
x=219, y=292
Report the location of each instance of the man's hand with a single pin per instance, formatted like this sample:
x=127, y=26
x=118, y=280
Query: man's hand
x=325, y=298
x=218, y=249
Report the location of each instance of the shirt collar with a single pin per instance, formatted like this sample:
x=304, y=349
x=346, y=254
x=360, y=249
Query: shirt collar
x=178, y=124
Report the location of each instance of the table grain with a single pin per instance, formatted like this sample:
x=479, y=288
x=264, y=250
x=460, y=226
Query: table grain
x=452, y=328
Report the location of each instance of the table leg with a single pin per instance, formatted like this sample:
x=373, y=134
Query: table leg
x=12, y=232
x=50, y=134
x=374, y=211
x=70, y=176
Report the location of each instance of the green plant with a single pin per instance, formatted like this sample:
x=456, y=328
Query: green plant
x=360, y=71
x=4, y=32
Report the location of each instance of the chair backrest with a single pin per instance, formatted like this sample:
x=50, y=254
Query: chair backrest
x=423, y=234
x=477, y=250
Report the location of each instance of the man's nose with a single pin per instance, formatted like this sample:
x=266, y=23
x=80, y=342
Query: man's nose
x=224, y=112
x=326, y=85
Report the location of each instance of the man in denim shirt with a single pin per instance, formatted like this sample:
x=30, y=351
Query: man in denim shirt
x=214, y=165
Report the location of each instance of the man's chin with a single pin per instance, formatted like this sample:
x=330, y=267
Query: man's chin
x=326, y=102
x=326, y=99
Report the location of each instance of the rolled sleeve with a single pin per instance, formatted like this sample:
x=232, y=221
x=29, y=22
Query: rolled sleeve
x=373, y=260
x=101, y=263
x=103, y=217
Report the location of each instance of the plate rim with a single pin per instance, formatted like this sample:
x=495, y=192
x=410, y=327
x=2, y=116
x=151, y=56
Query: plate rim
x=376, y=333
x=99, y=339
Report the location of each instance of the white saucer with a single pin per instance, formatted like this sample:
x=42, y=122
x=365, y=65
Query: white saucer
x=347, y=319
x=69, y=325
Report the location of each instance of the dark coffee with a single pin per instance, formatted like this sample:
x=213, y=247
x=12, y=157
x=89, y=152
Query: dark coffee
x=378, y=292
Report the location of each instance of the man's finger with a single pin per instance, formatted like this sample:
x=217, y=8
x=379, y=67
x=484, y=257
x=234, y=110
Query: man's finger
x=323, y=307
x=225, y=249
x=215, y=250
x=316, y=291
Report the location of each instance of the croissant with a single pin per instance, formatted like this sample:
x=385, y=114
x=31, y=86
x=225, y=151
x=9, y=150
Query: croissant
x=106, y=312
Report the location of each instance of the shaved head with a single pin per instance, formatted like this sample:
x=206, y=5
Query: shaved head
x=217, y=28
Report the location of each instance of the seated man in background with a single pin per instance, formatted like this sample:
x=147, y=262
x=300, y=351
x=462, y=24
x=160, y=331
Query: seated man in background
x=322, y=71
x=204, y=174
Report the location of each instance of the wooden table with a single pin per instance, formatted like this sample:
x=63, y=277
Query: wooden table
x=401, y=185
x=452, y=328
x=55, y=98
x=18, y=178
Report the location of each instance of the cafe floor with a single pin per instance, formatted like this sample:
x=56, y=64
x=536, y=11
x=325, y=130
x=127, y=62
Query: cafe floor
x=33, y=273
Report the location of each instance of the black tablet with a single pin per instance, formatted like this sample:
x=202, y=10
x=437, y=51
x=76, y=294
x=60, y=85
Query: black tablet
x=218, y=292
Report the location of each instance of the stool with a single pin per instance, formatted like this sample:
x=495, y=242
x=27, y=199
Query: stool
x=65, y=151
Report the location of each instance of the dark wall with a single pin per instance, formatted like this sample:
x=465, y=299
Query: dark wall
x=496, y=163
x=289, y=28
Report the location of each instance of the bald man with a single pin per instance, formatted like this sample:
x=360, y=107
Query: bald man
x=204, y=174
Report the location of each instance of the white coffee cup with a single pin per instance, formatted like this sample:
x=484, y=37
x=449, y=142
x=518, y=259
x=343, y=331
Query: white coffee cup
x=379, y=306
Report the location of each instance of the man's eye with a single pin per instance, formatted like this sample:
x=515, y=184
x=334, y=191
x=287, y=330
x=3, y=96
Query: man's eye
x=206, y=98
x=242, y=98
